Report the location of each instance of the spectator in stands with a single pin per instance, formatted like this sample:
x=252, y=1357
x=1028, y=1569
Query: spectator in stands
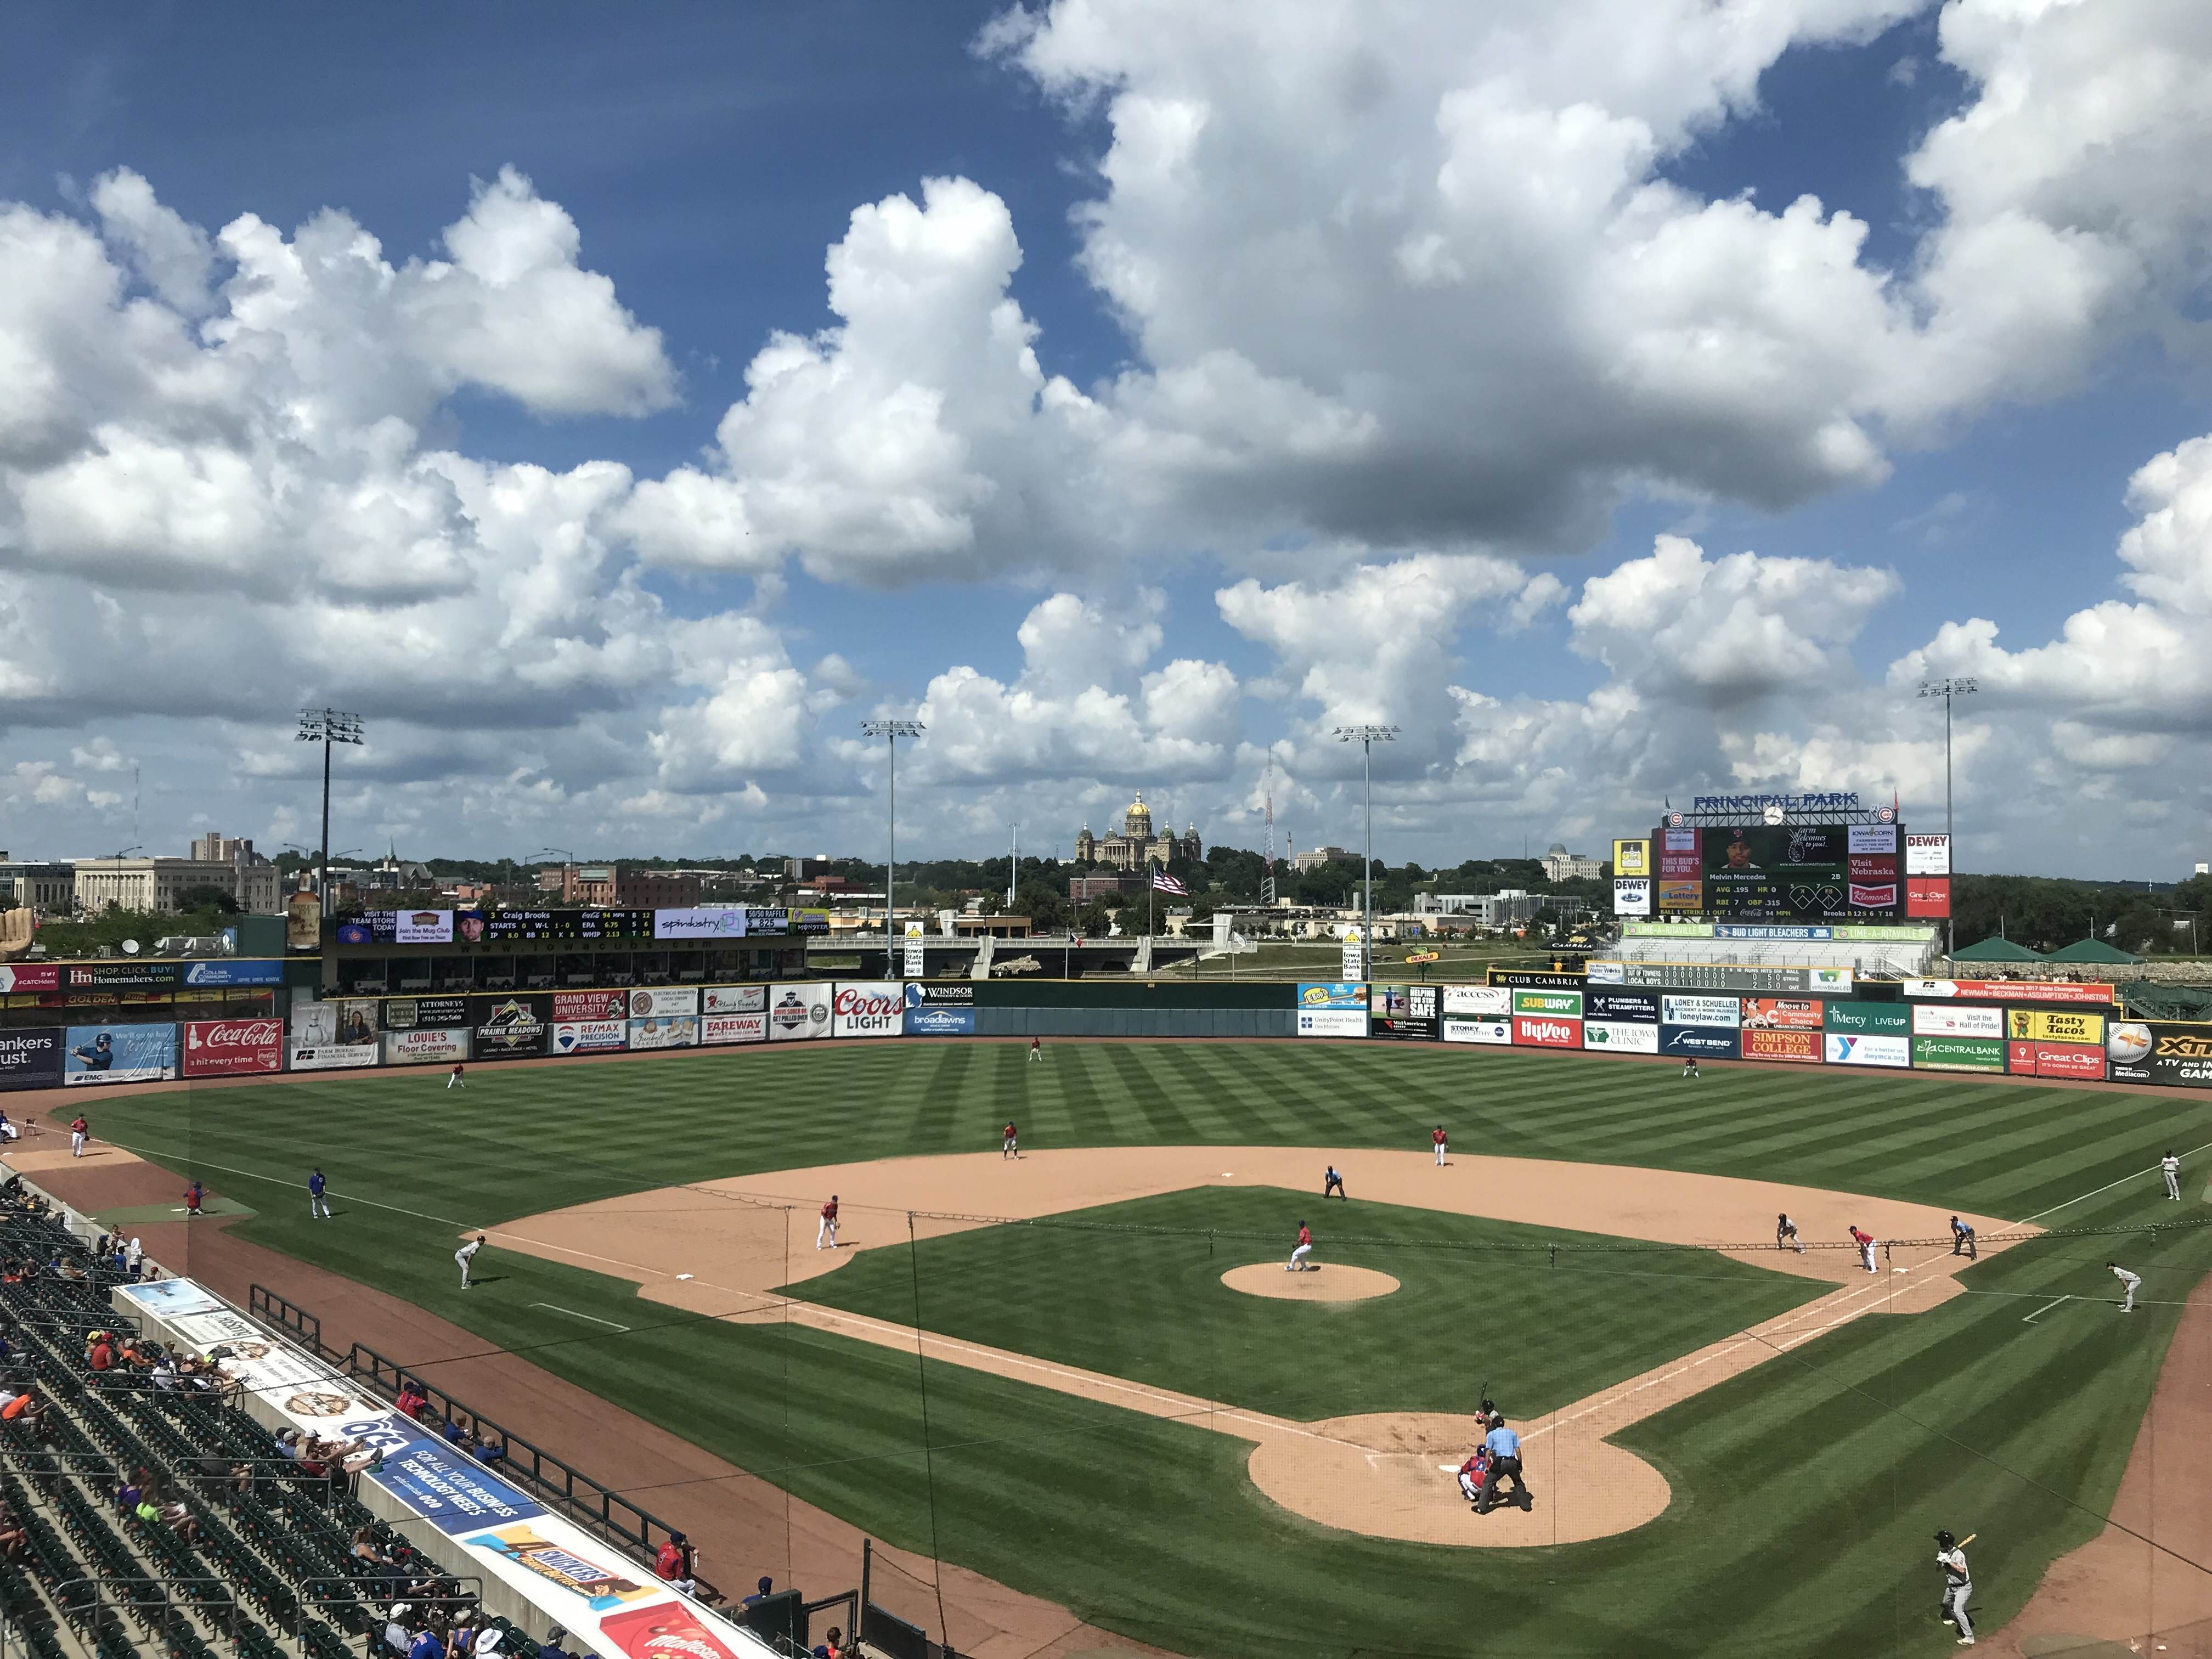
x=454, y=1433
x=490, y=1451
x=835, y=1648
x=175, y=1516
x=551, y=1648
x=671, y=1561
x=128, y=1495
x=368, y=1558
x=767, y=1589
x=396, y=1636
x=134, y=1257
x=13, y=1536
x=411, y=1400
x=100, y=1351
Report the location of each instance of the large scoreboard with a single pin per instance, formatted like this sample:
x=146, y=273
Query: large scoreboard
x=1781, y=872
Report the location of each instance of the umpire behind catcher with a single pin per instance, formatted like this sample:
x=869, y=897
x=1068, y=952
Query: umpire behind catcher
x=1504, y=1460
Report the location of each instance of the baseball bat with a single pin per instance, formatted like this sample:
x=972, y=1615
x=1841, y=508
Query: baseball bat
x=1968, y=1538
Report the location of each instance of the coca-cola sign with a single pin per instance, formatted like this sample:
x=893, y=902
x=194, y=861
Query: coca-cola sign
x=872, y=1009
x=228, y=1047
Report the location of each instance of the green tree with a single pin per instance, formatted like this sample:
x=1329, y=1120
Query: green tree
x=207, y=896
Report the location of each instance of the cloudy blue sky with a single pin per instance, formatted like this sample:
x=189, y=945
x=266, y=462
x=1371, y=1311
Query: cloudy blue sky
x=1626, y=398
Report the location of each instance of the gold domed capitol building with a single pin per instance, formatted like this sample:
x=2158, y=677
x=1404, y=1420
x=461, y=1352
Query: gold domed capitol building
x=1137, y=846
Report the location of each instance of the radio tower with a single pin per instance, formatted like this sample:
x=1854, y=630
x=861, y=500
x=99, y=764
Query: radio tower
x=1267, y=880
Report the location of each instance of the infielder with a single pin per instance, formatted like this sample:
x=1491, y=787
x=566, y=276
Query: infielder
x=1331, y=1182
x=1009, y=1142
x=1297, y=1264
x=467, y=1254
x=1442, y=1142
x=828, y=1231
x=2128, y=1279
x=78, y=1130
x=2170, y=1167
x=1865, y=1242
x=1785, y=1234
x=1957, y=1585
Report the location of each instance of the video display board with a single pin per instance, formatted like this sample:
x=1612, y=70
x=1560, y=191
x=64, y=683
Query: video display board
x=1783, y=872
x=525, y=927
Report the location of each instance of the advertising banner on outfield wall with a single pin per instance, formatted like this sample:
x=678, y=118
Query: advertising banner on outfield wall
x=798, y=1011
x=1788, y=1044
x=1958, y=1053
x=1404, y=1012
x=348, y=1024
x=21, y=978
x=1700, y=1042
x=337, y=1057
x=1640, y=1007
x=1927, y=895
x=233, y=973
x=423, y=1046
x=1948, y=1020
x=588, y=1036
x=2160, y=1051
x=1725, y=1013
x=733, y=999
x=1680, y=897
x=665, y=1031
x=512, y=1028
x=1621, y=1036
x=1332, y=1022
x=1631, y=895
x=1928, y=855
x=592, y=1007
x=1333, y=993
x=31, y=1059
x=94, y=1054
x=2070, y=1060
x=2053, y=1025
x=663, y=1001
x=422, y=927
x=1844, y=1049
x=1546, y=1031
x=1491, y=1033
x=1868, y=1018
x=1527, y=979
x=716, y=1031
x=1632, y=858
x=1781, y=1014
x=121, y=976
x=233, y=1048
x=721, y=922
x=1478, y=1001
x=2086, y=994
x=1681, y=856
x=938, y=1019
x=405, y=1013
x=867, y=1008
x=1568, y=1004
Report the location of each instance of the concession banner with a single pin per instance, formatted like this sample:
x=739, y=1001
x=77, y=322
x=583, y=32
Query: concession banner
x=1681, y=857
x=873, y=1008
x=585, y=1036
x=1944, y=1019
x=1700, y=1042
x=2010, y=990
x=1621, y=1036
x=1887, y=1019
x=231, y=1047
x=425, y=1047
x=590, y=1006
x=1568, y=1004
x=1958, y=1053
x=2160, y=1051
x=798, y=1011
x=2083, y=1063
x=663, y=1001
x=1847, y=1050
x=733, y=999
x=1781, y=1014
x=1788, y=1044
x=1481, y=1001
x=665, y=1031
x=31, y=1059
x=1491, y=1033
x=1639, y=1006
x=1544, y=1031
x=1725, y=1013
x=1333, y=1022
x=94, y=1054
x=512, y=1027
x=2053, y=1025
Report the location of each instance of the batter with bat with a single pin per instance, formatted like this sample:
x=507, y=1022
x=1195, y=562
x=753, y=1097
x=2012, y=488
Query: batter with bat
x=1957, y=1582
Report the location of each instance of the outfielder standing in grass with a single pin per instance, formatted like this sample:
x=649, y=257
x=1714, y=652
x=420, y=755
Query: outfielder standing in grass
x=2170, y=1167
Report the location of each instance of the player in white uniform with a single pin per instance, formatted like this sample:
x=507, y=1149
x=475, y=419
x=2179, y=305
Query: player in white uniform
x=1957, y=1585
x=2170, y=1167
x=826, y=1232
x=2130, y=1281
x=467, y=1254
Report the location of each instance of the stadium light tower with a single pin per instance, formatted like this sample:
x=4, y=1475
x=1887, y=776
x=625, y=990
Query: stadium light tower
x=1367, y=737
x=1950, y=688
x=328, y=728
x=893, y=730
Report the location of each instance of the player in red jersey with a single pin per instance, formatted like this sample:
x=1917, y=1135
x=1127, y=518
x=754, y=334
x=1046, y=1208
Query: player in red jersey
x=826, y=1232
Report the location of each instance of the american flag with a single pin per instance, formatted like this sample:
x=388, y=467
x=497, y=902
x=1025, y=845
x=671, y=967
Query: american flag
x=1164, y=883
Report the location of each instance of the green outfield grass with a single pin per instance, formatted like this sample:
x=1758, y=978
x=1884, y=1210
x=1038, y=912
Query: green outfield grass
x=1156, y=1263
x=1804, y=1490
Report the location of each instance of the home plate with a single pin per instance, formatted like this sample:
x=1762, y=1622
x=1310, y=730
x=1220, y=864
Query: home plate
x=1446, y=1468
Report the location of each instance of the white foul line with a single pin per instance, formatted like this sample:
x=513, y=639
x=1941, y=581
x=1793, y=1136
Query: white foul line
x=573, y=1313
x=2044, y=1309
x=2108, y=1186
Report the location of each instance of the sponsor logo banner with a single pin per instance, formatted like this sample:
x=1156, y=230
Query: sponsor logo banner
x=798, y=1011
x=590, y=1006
x=2070, y=1060
x=2010, y=990
x=1566, y=1004
x=455, y=1493
x=1521, y=979
x=1544, y=1031
x=1946, y=1019
x=916, y=995
x=1406, y=1012
x=584, y=1036
x=404, y=1013
x=227, y=1047
x=1842, y=1050
x=1699, y=1042
x=426, y=1047
x=1787, y=1044
x=1681, y=897
x=31, y=1059
x=2053, y=1025
x=767, y=919
x=1632, y=858
x=233, y=973
x=733, y=999
x=1958, y=1053
x=1927, y=895
x=1494, y=1033
x=1681, y=857
x=663, y=1001
x=121, y=976
x=1729, y=976
x=1332, y=1022
x=168, y=1298
x=119, y=1054
x=422, y=927
x=1725, y=1013
x=1641, y=1007
x=1868, y=1018
x=1605, y=973
x=1873, y=838
x=344, y=1057
x=722, y=922
x=815, y=921
x=1869, y=896
x=1863, y=867
x=1336, y=993
x=1483, y=1001
x=934, y=1020
x=1928, y=855
x=512, y=1028
x=30, y=976
x=665, y=1031
x=870, y=1008
x=1621, y=1036
x=1867, y=933
x=1631, y=895
x=310, y=1394
x=1781, y=1014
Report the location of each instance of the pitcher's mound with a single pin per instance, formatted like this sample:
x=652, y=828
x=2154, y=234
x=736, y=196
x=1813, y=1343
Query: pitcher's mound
x=1326, y=1283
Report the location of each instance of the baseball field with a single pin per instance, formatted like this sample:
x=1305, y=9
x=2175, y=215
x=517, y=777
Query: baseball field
x=1084, y=1374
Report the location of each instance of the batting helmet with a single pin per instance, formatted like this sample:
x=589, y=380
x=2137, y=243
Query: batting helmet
x=1944, y=1540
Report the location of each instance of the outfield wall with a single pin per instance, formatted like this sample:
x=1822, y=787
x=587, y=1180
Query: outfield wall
x=2025, y=1028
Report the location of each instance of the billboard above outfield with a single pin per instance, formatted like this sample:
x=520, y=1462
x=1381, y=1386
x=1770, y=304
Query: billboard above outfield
x=1779, y=932
x=1722, y=976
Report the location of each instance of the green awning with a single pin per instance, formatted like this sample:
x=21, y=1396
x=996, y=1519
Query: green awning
x=2091, y=949
x=1996, y=950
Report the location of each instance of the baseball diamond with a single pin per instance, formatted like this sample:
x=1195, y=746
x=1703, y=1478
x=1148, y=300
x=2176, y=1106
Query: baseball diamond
x=1041, y=1381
